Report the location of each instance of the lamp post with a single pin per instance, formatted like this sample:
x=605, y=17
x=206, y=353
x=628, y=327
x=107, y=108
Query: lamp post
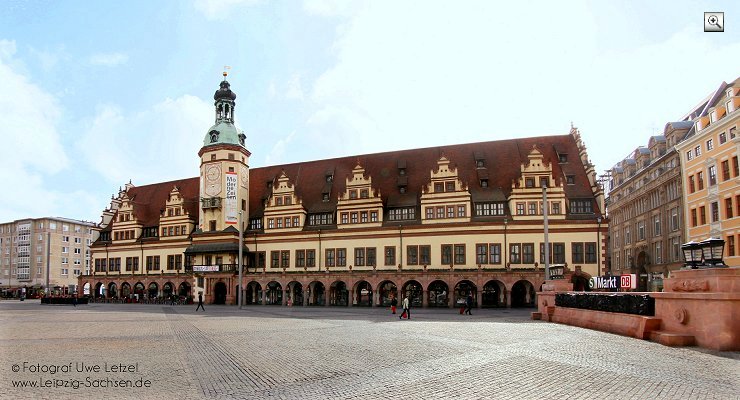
x=547, y=241
x=506, y=245
x=712, y=250
x=691, y=254
x=239, y=263
x=598, y=245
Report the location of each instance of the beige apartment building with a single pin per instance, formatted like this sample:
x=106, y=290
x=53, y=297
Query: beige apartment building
x=709, y=161
x=41, y=253
x=436, y=224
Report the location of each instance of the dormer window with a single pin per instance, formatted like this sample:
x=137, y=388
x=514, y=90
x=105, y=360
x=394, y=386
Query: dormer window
x=570, y=179
x=544, y=182
x=364, y=194
x=484, y=183
x=329, y=178
x=450, y=186
x=402, y=171
x=480, y=163
x=352, y=194
x=562, y=158
x=529, y=182
x=402, y=189
x=214, y=136
x=325, y=197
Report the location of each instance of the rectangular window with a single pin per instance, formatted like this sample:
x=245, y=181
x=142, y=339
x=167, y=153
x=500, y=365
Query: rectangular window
x=300, y=258
x=400, y=214
x=656, y=225
x=285, y=258
x=515, y=253
x=450, y=211
x=700, y=180
x=279, y=222
x=440, y=212
x=556, y=208
x=296, y=221
x=735, y=171
x=363, y=216
x=725, y=170
x=692, y=189
x=722, y=138
x=341, y=257
x=390, y=255
x=641, y=230
x=449, y=186
x=689, y=155
x=359, y=256
x=412, y=255
x=460, y=211
x=481, y=253
x=527, y=253
x=710, y=144
x=446, y=254
x=728, y=208
x=693, y=217
x=430, y=212
x=425, y=255
x=731, y=246
x=178, y=261
x=714, y=209
x=542, y=253
x=494, y=252
x=274, y=259
x=373, y=216
x=310, y=258
x=577, y=249
x=697, y=151
x=329, y=257
x=581, y=206
x=353, y=217
x=532, y=208
x=712, y=171
x=171, y=261
x=590, y=252
x=703, y=215
x=439, y=187
x=519, y=208
x=370, y=256
x=558, y=252
x=460, y=254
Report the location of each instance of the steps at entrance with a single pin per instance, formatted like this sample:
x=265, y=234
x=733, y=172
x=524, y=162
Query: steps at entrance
x=672, y=339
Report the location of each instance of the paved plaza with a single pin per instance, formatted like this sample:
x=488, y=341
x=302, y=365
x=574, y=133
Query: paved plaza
x=115, y=351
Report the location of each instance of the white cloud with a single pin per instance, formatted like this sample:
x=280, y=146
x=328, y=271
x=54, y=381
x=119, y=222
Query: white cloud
x=294, y=89
x=153, y=145
x=409, y=75
x=271, y=90
x=31, y=151
x=277, y=153
x=330, y=8
x=221, y=9
x=108, y=59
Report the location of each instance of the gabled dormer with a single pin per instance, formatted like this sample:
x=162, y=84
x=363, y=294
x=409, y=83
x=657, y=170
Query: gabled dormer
x=360, y=203
x=445, y=198
x=284, y=209
x=525, y=201
x=125, y=226
x=175, y=222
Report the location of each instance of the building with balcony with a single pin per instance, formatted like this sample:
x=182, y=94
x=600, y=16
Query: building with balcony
x=434, y=223
x=709, y=162
x=41, y=253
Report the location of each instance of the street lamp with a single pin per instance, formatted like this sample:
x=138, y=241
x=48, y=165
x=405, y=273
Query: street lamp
x=712, y=250
x=239, y=298
x=598, y=245
x=692, y=254
x=506, y=245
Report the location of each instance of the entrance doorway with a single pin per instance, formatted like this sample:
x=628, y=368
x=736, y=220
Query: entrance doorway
x=219, y=293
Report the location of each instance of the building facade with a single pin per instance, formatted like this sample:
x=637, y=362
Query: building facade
x=41, y=253
x=709, y=160
x=436, y=224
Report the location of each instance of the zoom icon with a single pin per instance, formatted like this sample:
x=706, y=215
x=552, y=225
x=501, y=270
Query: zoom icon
x=714, y=22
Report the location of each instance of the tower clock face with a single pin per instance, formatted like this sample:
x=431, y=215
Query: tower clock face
x=244, y=176
x=213, y=172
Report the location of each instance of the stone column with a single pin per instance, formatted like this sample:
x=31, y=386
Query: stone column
x=508, y=299
x=264, y=296
x=424, y=298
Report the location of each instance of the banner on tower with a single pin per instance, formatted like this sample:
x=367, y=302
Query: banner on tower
x=230, y=216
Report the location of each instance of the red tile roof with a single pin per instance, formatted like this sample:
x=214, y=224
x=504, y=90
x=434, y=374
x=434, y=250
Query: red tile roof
x=502, y=160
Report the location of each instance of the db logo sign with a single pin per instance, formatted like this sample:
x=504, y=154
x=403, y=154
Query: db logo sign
x=628, y=281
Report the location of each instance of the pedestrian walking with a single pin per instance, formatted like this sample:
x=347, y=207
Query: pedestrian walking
x=406, y=308
x=394, y=304
x=200, y=302
x=469, y=304
x=74, y=300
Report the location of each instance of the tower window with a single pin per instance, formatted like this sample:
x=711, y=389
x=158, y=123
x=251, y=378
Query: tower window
x=213, y=157
x=231, y=156
x=231, y=169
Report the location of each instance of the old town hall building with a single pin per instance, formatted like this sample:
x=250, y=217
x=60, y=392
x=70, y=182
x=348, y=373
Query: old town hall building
x=437, y=224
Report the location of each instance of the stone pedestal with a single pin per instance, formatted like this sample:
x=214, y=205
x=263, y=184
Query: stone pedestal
x=703, y=304
x=546, y=298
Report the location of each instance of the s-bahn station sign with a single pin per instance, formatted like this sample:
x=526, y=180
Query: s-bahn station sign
x=626, y=281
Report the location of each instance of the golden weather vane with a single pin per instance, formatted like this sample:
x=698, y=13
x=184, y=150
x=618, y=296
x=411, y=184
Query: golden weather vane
x=226, y=67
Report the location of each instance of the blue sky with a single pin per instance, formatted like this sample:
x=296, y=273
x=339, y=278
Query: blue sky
x=94, y=93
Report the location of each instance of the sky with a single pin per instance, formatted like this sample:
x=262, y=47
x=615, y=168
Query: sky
x=96, y=93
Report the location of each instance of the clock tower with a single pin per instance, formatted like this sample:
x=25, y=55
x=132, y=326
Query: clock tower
x=224, y=168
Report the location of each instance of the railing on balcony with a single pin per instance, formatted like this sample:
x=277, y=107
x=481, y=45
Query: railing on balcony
x=213, y=268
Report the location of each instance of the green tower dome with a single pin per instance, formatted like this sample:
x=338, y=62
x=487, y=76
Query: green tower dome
x=224, y=131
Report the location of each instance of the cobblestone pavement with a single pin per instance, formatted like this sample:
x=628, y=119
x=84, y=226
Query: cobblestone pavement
x=265, y=352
